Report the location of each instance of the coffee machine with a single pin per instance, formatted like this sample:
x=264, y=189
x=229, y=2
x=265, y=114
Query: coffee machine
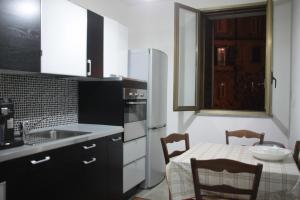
x=7, y=136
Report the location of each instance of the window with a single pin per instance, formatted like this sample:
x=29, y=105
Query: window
x=223, y=59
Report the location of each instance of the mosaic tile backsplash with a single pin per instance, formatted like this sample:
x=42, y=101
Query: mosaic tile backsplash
x=43, y=101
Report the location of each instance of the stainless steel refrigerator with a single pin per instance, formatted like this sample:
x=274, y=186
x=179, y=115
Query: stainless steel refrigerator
x=151, y=65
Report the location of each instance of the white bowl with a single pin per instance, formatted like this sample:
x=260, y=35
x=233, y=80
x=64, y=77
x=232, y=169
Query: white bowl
x=269, y=153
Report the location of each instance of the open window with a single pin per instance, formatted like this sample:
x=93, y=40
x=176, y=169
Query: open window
x=223, y=59
x=187, y=71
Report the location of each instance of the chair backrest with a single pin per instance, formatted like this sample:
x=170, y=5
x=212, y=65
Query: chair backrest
x=231, y=166
x=174, y=137
x=246, y=134
x=296, y=153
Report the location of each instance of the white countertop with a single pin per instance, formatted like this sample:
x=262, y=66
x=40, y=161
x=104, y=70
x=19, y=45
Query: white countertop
x=97, y=131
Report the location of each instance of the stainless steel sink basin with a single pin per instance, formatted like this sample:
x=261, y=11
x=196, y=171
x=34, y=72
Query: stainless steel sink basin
x=51, y=135
x=57, y=134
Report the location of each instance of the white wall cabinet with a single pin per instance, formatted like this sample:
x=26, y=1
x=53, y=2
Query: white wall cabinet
x=115, y=49
x=64, y=38
x=64, y=41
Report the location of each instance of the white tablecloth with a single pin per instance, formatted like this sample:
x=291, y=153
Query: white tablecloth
x=279, y=180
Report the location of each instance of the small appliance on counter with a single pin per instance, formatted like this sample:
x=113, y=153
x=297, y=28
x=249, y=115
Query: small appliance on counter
x=7, y=136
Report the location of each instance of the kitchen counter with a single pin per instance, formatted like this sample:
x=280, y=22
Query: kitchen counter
x=97, y=131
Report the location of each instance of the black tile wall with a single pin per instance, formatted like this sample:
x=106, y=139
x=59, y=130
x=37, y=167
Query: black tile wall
x=42, y=100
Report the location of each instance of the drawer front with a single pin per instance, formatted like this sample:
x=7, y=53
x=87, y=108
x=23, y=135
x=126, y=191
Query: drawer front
x=93, y=151
x=134, y=150
x=87, y=153
x=133, y=174
x=91, y=148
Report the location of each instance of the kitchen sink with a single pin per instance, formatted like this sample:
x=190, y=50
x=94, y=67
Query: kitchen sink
x=51, y=135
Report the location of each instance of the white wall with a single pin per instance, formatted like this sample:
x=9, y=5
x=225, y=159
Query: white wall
x=151, y=25
x=281, y=62
x=295, y=102
x=114, y=9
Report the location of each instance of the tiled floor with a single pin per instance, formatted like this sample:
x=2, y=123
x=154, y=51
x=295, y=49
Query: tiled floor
x=160, y=192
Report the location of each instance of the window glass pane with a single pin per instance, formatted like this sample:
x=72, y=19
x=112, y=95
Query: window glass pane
x=187, y=64
x=235, y=62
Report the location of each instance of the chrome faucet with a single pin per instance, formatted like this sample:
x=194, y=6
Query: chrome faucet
x=26, y=127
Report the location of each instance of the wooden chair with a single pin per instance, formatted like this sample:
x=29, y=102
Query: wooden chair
x=175, y=137
x=244, y=133
x=296, y=153
x=231, y=166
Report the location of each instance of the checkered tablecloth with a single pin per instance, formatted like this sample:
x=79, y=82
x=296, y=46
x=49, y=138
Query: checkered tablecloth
x=279, y=180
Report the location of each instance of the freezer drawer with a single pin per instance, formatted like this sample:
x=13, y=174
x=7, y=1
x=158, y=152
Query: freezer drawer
x=134, y=130
x=134, y=150
x=133, y=174
x=155, y=159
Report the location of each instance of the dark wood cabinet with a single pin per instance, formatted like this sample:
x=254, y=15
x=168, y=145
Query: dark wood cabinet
x=20, y=35
x=21, y=39
x=66, y=172
x=94, y=45
x=115, y=167
x=93, y=175
x=31, y=177
x=86, y=171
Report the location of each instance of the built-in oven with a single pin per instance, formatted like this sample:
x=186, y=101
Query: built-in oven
x=135, y=113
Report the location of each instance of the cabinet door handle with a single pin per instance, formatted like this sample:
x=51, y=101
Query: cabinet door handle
x=116, y=139
x=89, y=162
x=89, y=147
x=89, y=71
x=35, y=162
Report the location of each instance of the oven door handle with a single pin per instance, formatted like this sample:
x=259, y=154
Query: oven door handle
x=136, y=103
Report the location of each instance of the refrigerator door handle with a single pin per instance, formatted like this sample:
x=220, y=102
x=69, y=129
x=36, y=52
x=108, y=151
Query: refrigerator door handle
x=158, y=127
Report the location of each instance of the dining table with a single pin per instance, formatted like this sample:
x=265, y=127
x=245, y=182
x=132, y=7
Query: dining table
x=279, y=179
